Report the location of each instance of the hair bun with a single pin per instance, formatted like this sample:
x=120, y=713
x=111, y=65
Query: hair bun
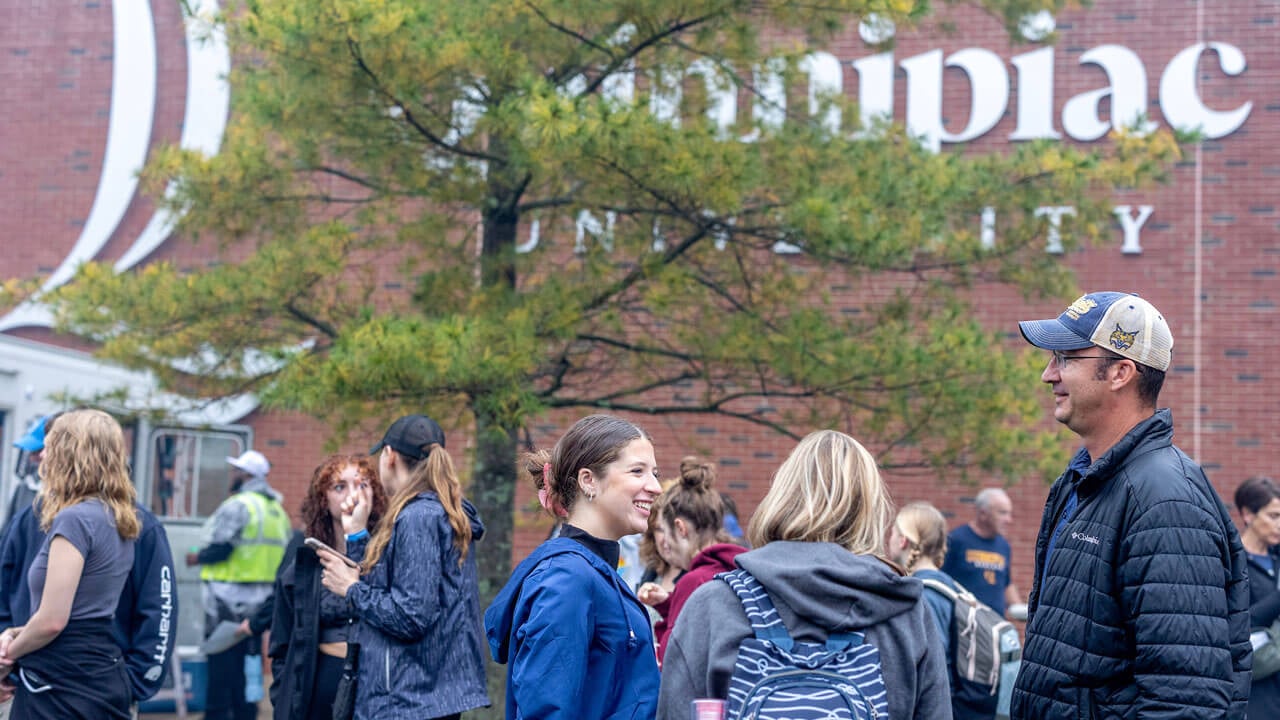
x=696, y=473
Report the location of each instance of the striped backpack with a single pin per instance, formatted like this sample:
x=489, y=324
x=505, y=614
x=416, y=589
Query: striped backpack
x=777, y=678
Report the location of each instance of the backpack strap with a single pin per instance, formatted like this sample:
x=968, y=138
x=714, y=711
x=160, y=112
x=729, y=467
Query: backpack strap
x=949, y=592
x=764, y=618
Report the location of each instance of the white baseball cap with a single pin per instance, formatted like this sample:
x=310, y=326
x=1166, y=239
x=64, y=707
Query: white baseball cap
x=252, y=462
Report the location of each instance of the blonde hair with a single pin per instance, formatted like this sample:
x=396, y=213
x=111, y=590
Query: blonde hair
x=84, y=458
x=433, y=473
x=925, y=529
x=827, y=490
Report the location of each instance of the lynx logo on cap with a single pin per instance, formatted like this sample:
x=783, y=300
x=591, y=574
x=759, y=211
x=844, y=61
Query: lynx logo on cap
x=1123, y=340
x=1120, y=322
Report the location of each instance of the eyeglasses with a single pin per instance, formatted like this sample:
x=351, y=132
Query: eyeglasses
x=1060, y=360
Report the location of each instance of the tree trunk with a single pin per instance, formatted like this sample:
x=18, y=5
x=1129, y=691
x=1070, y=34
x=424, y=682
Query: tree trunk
x=493, y=492
x=495, y=470
x=494, y=479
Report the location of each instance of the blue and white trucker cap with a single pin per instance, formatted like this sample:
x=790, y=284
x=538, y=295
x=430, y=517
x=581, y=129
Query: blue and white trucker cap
x=1120, y=322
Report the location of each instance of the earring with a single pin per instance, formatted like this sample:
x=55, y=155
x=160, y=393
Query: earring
x=591, y=497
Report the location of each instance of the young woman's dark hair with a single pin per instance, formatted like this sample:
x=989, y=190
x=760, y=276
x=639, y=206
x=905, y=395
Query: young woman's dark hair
x=693, y=521
x=694, y=499
x=592, y=443
x=649, y=554
x=1256, y=493
x=316, y=520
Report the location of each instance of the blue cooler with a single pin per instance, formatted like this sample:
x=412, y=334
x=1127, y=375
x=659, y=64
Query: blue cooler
x=194, y=681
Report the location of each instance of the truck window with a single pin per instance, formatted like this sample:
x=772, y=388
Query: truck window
x=191, y=475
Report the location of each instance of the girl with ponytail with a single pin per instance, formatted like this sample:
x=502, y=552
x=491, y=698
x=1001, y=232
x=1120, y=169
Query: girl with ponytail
x=918, y=542
x=692, y=521
x=416, y=593
x=575, y=639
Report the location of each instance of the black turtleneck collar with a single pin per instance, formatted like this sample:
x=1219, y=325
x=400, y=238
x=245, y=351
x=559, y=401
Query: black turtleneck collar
x=607, y=550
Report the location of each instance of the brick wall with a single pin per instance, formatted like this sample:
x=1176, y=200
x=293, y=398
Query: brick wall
x=54, y=101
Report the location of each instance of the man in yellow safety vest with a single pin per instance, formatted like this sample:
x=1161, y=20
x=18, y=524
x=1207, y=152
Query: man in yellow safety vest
x=245, y=542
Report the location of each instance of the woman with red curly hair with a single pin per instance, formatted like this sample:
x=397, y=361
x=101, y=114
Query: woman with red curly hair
x=311, y=624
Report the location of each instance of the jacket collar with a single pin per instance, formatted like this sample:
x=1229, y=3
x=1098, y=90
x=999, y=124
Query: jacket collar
x=1151, y=434
x=260, y=486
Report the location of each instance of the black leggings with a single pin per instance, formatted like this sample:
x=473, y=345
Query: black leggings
x=328, y=673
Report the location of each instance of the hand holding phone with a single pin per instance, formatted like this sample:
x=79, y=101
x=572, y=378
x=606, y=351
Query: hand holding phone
x=318, y=545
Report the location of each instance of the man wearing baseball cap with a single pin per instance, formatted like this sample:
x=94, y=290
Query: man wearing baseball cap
x=32, y=445
x=246, y=539
x=1140, y=601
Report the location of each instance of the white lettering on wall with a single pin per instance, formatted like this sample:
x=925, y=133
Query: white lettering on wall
x=988, y=237
x=1127, y=89
x=1035, y=95
x=1180, y=98
x=722, y=95
x=1053, y=243
x=1132, y=226
x=987, y=79
x=825, y=81
x=924, y=98
x=769, y=107
x=875, y=88
x=664, y=97
x=588, y=224
x=988, y=82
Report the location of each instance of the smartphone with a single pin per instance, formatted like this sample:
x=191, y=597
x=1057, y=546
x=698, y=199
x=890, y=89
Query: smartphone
x=318, y=545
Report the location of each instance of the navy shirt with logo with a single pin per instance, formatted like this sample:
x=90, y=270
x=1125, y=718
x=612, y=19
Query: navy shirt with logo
x=980, y=564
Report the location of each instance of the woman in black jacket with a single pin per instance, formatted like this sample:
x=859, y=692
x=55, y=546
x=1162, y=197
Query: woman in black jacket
x=310, y=624
x=1258, y=500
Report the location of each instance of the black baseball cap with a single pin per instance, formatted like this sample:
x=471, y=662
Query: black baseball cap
x=411, y=436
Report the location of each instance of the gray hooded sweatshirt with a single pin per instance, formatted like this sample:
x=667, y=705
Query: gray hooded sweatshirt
x=817, y=588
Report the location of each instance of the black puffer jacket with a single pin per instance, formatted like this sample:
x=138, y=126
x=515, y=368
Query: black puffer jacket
x=295, y=634
x=1143, y=610
x=1264, y=609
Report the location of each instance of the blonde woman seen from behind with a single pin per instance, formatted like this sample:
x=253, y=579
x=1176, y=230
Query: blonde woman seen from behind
x=819, y=538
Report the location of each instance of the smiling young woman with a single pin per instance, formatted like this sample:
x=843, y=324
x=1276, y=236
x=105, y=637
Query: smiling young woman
x=575, y=639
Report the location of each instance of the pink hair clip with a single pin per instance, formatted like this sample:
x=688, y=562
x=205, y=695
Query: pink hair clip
x=544, y=494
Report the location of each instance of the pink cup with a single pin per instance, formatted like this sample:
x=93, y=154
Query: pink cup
x=708, y=709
